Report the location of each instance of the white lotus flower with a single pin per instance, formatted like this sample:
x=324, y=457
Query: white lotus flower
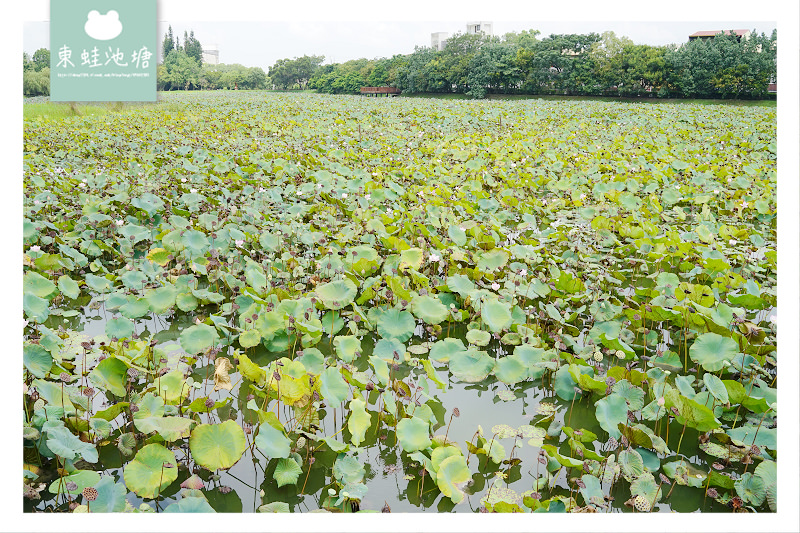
x=239, y=243
x=192, y=190
x=495, y=286
x=434, y=258
x=120, y=222
x=344, y=195
x=35, y=248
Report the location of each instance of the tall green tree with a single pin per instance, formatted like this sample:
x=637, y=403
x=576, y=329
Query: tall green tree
x=41, y=59
x=192, y=47
x=168, y=45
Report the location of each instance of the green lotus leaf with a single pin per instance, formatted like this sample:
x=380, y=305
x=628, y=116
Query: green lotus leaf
x=716, y=387
x=36, y=284
x=691, y=413
x=471, y=366
x=750, y=435
x=348, y=469
x=135, y=307
x=161, y=299
x=440, y=454
x=496, y=315
x=432, y=375
x=565, y=384
x=151, y=471
x=68, y=287
x=37, y=309
x=510, y=369
x=751, y=489
x=274, y=507
x=337, y=294
x=215, y=446
x=333, y=387
x=645, y=486
x=461, y=284
x=195, y=241
x=711, y=351
x=396, y=324
x=381, y=369
x=632, y=394
x=272, y=442
x=36, y=359
x=82, y=478
x=172, y=386
x=190, y=505
x=444, y=349
x=150, y=418
x=148, y=202
x=119, y=328
x=767, y=471
x=332, y=323
x=110, y=496
x=569, y=462
x=359, y=421
x=347, y=347
x=251, y=371
x=53, y=394
x=494, y=450
x=492, y=260
x=478, y=337
x=413, y=434
x=592, y=491
x=429, y=309
x=250, y=338
x=458, y=235
x=410, y=258
x=631, y=464
x=97, y=283
x=110, y=375
x=611, y=410
x=198, y=338
x=451, y=476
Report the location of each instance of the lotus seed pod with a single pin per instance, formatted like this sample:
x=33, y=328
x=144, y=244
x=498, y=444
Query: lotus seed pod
x=641, y=504
x=90, y=493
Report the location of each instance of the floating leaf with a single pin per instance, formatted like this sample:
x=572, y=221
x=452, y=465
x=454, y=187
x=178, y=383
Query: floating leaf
x=413, y=434
x=151, y=471
x=287, y=471
x=359, y=421
x=337, y=294
x=396, y=324
x=36, y=359
x=272, y=442
x=215, y=446
x=453, y=473
x=198, y=338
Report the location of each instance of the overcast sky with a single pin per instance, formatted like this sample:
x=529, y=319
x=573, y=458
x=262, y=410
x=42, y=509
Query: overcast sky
x=253, y=36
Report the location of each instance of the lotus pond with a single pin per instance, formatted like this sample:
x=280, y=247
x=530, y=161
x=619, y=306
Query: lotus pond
x=257, y=302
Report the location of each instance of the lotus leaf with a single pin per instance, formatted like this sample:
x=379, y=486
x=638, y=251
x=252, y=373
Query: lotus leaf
x=767, y=471
x=150, y=418
x=612, y=410
x=444, y=349
x=82, y=478
x=216, y=446
x=478, y=337
x=198, y=338
x=348, y=469
x=631, y=464
x=359, y=421
x=429, y=309
x=460, y=284
x=110, y=496
x=396, y=324
x=711, y=351
x=413, y=434
x=451, y=475
x=471, y=366
x=592, y=491
x=274, y=507
x=287, y=471
x=337, y=294
x=37, y=360
x=347, y=347
x=190, y=505
x=151, y=470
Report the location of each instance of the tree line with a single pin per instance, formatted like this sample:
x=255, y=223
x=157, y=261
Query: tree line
x=183, y=68
x=570, y=64
x=36, y=73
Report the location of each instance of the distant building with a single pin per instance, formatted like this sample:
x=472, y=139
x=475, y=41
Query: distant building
x=211, y=55
x=703, y=35
x=474, y=28
x=439, y=39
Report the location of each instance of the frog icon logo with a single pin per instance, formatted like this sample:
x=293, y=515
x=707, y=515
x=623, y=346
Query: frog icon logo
x=103, y=27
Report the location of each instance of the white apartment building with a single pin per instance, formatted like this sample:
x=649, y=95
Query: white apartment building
x=474, y=28
x=438, y=40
